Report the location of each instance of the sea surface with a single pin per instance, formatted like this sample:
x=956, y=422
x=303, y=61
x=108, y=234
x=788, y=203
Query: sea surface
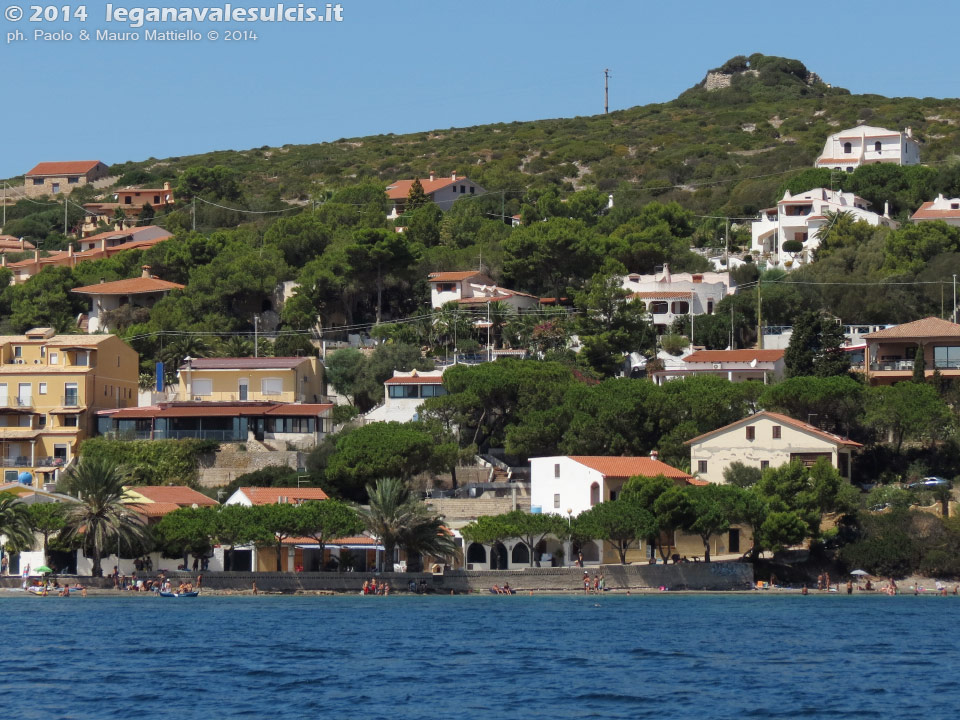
x=640, y=656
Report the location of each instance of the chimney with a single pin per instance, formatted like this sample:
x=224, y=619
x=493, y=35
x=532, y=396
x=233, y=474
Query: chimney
x=886, y=209
x=3, y=259
x=146, y=272
x=453, y=176
x=666, y=273
x=610, y=201
x=431, y=176
x=697, y=278
x=102, y=280
x=70, y=250
x=103, y=244
x=36, y=255
x=654, y=455
x=908, y=132
x=166, y=186
x=22, y=248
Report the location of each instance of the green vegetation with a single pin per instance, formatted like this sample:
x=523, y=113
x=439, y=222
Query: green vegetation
x=151, y=462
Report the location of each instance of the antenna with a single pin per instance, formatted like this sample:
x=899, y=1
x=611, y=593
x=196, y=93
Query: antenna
x=606, y=91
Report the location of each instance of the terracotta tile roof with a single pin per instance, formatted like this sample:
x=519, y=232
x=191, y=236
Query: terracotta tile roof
x=929, y=327
x=926, y=212
x=272, y=495
x=361, y=540
x=153, y=509
x=785, y=420
x=660, y=295
x=177, y=494
x=627, y=467
x=734, y=356
x=416, y=380
x=841, y=161
x=458, y=276
x=215, y=409
x=400, y=189
x=246, y=363
x=133, y=286
x=9, y=242
x=80, y=167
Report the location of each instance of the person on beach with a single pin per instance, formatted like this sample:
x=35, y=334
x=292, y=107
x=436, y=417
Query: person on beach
x=826, y=580
x=820, y=581
x=602, y=586
x=586, y=583
x=254, y=587
x=849, y=587
x=803, y=590
x=4, y=564
x=596, y=583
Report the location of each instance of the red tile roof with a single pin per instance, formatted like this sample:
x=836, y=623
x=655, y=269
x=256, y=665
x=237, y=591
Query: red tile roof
x=362, y=540
x=246, y=363
x=784, y=419
x=272, y=495
x=926, y=212
x=660, y=295
x=400, y=190
x=216, y=409
x=458, y=276
x=929, y=327
x=80, y=167
x=153, y=509
x=627, y=467
x=177, y=494
x=734, y=356
x=416, y=380
x=133, y=286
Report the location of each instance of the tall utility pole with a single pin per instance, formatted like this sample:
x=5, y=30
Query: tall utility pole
x=954, y=297
x=64, y=215
x=759, y=319
x=606, y=91
x=256, y=336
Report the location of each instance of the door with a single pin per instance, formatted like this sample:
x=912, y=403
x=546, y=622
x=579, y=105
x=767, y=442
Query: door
x=25, y=394
x=3, y=395
x=71, y=395
x=733, y=543
x=244, y=389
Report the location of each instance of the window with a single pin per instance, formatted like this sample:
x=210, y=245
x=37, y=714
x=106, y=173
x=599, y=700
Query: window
x=709, y=307
x=73, y=180
x=847, y=148
x=70, y=394
x=877, y=146
x=41, y=421
x=42, y=388
x=681, y=307
x=432, y=391
x=271, y=386
x=594, y=494
x=751, y=432
x=43, y=351
x=764, y=464
x=54, y=358
x=472, y=190
x=55, y=188
x=202, y=386
x=127, y=200
x=556, y=500
x=38, y=181
x=402, y=391
x=556, y=470
x=659, y=307
x=701, y=466
x=946, y=358
x=17, y=351
x=446, y=287
x=70, y=420
x=462, y=189
x=955, y=206
x=156, y=199
x=776, y=432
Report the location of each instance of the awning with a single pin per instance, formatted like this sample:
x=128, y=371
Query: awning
x=72, y=410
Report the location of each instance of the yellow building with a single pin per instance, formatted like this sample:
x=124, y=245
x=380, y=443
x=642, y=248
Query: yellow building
x=266, y=379
x=51, y=387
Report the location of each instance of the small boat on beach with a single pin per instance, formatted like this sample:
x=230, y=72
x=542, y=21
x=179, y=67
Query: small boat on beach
x=192, y=593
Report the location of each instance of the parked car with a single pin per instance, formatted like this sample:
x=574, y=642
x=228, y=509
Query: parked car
x=928, y=483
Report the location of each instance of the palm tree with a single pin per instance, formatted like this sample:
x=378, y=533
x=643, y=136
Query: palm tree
x=100, y=518
x=499, y=315
x=15, y=522
x=235, y=346
x=397, y=519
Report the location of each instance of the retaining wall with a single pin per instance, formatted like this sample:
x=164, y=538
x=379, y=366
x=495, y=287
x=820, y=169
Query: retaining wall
x=686, y=576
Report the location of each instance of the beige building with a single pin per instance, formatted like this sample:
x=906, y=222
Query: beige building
x=266, y=379
x=765, y=440
x=53, y=178
x=51, y=387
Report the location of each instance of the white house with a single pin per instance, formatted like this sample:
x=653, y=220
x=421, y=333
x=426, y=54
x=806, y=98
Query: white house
x=764, y=440
x=734, y=365
x=800, y=217
x=475, y=289
x=443, y=191
x=864, y=145
x=404, y=393
x=946, y=209
x=668, y=296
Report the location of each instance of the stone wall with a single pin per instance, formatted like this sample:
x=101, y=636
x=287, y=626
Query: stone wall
x=221, y=468
x=471, y=508
x=686, y=576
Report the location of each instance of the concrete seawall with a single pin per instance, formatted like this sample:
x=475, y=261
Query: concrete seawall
x=686, y=576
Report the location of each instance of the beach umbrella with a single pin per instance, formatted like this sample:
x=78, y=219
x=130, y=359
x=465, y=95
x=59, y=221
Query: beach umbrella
x=43, y=570
x=859, y=572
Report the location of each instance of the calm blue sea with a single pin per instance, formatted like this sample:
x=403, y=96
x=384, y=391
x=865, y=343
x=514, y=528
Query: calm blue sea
x=652, y=656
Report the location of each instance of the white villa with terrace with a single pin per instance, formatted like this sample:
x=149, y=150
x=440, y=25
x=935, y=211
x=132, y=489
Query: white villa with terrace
x=473, y=289
x=800, y=217
x=945, y=209
x=668, y=296
x=865, y=145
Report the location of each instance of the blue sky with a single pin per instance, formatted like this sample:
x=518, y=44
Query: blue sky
x=407, y=65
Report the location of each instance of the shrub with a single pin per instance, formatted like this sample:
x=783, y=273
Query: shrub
x=153, y=462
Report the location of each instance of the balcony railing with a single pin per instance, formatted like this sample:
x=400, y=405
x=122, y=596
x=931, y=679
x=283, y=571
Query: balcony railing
x=947, y=364
x=17, y=402
x=70, y=400
x=16, y=462
x=251, y=396
x=891, y=365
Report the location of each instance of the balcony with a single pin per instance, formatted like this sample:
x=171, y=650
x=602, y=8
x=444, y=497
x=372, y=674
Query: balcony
x=16, y=402
x=891, y=366
x=17, y=462
x=70, y=400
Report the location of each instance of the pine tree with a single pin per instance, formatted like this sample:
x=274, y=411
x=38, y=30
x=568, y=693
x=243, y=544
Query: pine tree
x=416, y=198
x=919, y=366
